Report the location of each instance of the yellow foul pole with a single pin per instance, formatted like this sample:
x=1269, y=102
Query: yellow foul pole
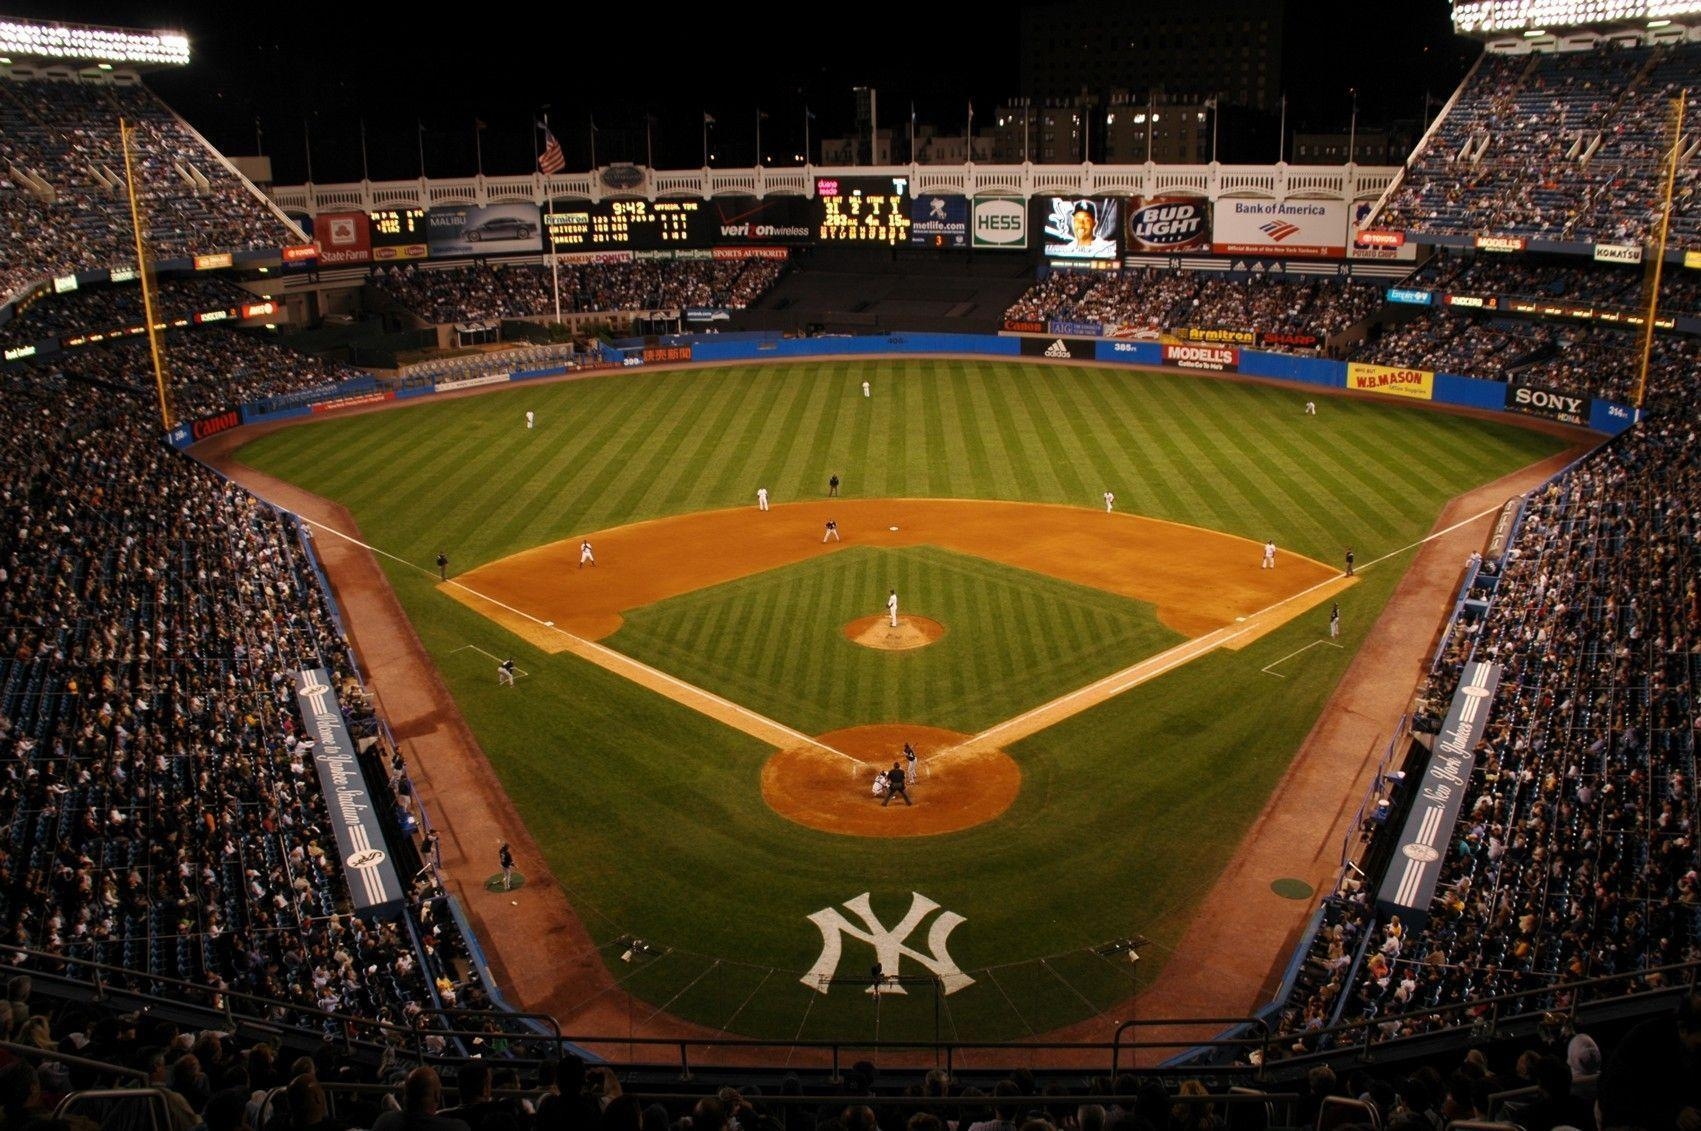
x=1659, y=251
x=145, y=274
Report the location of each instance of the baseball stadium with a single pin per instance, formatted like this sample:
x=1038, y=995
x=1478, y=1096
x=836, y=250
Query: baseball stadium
x=1065, y=642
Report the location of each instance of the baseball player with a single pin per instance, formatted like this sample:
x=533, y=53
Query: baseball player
x=833, y=486
x=1269, y=555
x=1349, y=561
x=892, y=608
x=585, y=555
x=1334, y=620
x=895, y=786
x=1311, y=408
x=529, y=418
x=865, y=390
x=1109, y=502
x=442, y=566
x=761, y=498
x=909, y=764
x=506, y=859
x=505, y=673
x=832, y=531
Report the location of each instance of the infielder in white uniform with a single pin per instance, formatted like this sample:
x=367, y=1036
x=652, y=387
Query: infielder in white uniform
x=1269, y=555
x=1109, y=502
x=761, y=498
x=892, y=607
x=585, y=555
x=529, y=419
x=865, y=390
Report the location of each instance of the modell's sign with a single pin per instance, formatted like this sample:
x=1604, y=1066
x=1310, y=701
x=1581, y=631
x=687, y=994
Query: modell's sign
x=1168, y=223
x=1217, y=359
x=1618, y=253
x=1500, y=243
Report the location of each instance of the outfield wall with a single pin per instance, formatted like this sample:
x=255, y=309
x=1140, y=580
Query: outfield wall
x=1405, y=384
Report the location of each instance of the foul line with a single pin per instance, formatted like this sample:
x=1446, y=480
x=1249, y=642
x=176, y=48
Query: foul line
x=519, y=673
x=610, y=660
x=1022, y=726
x=1315, y=643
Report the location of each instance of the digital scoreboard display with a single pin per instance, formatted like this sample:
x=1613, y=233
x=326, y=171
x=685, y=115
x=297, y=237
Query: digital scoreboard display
x=399, y=233
x=873, y=210
x=618, y=225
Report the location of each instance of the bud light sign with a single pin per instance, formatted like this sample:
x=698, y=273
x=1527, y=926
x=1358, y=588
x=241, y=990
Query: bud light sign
x=1168, y=223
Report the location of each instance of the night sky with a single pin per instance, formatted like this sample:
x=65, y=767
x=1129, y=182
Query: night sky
x=317, y=69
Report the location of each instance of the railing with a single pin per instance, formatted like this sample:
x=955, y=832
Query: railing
x=1344, y=182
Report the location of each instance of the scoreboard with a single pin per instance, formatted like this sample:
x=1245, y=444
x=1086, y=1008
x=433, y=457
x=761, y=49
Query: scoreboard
x=618, y=225
x=398, y=233
x=862, y=209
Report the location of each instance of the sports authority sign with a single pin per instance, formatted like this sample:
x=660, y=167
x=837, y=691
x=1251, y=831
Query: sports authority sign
x=1409, y=884
x=371, y=875
x=1216, y=359
x=1292, y=228
x=1417, y=384
x=1533, y=400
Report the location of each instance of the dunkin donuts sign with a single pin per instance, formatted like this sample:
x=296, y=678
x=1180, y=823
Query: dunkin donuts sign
x=1168, y=223
x=1217, y=359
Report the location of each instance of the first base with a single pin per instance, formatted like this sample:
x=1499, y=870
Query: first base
x=893, y=529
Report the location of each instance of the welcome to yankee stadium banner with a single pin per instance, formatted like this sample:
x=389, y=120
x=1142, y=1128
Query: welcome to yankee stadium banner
x=371, y=874
x=1408, y=887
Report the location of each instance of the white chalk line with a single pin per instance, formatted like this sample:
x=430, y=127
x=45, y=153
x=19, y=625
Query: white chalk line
x=519, y=672
x=605, y=657
x=1266, y=668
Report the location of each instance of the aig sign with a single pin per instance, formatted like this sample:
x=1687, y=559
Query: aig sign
x=999, y=222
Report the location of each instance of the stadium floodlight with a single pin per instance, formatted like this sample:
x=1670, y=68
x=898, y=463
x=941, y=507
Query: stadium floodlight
x=39, y=39
x=1478, y=16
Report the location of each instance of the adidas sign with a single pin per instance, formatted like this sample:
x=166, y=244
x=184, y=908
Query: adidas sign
x=1058, y=349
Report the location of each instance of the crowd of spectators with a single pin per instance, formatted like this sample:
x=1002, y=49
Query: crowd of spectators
x=102, y=308
x=159, y=810
x=1555, y=145
x=483, y=292
x=1156, y=300
x=63, y=206
x=1599, y=285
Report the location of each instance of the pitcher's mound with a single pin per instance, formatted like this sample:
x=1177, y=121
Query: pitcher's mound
x=956, y=787
x=877, y=632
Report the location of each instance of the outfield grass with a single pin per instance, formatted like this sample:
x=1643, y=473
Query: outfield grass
x=651, y=813
x=1013, y=640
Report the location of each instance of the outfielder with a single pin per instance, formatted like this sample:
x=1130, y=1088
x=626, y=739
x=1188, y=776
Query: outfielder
x=865, y=390
x=529, y=419
x=1109, y=502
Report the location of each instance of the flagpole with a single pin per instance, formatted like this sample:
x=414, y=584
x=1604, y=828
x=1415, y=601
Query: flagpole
x=806, y=117
x=649, y=154
x=259, y=142
x=970, y=155
x=758, y=137
x=478, y=145
x=593, y=144
x=421, y=125
x=1282, y=135
x=706, y=121
x=912, y=131
x=307, y=143
x=365, y=173
x=554, y=259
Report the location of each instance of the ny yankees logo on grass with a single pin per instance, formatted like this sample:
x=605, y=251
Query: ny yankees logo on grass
x=888, y=943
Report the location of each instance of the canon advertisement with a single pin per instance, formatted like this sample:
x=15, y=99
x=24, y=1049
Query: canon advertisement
x=1216, y=359
x=1168, y=224
x=1315, y=229
x=1081, y=228
x=1532, y=400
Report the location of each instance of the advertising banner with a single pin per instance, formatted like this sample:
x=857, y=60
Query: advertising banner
x=371, y=874
x=1410, y=296
x=870, y=210
x=1415, y=384
x=937, y=220
x=1500, y=243
x=1375, y=243
x=1618, y=253
x=1168, y=224
x=1058, y=349
x=299, y=253
x=212, y=425
x=1289, y=228
x=217, y=261
x=1288, y=340
x=1217, y=335
x=1216, y=359
x=1082, y=228
x=769, y=219
x=660, y=355
x=1078, y=329
x=342, y=237
x=1408, y=886
x=398, y=233
x=1500, y=538
x=1533, y=400
x=500, y=229
x=1024, y=326
x=1000, y=222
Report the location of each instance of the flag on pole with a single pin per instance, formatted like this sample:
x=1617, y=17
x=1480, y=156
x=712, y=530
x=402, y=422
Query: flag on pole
x=708, y=119
x=551, y=161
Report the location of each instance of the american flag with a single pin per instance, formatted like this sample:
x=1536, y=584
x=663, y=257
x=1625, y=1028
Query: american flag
x=551, y=160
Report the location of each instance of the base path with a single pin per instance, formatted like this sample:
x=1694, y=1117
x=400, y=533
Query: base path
x=1199, y=580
